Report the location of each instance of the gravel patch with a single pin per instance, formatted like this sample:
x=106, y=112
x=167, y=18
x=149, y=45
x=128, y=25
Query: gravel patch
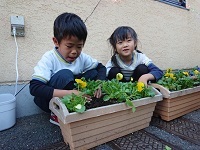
x=193, y=116
x=172, y=139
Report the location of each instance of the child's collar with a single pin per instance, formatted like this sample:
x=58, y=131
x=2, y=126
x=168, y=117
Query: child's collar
x=60, y=56
x=131, y=59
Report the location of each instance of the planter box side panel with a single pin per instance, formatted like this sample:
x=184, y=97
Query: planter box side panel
x=108, y=124
x=170, y=109
x=72, y=117
x=185, y=92
x=91, y=132
x=176, y=115
x=60, y=110
x=66, y=132
x=109, y=117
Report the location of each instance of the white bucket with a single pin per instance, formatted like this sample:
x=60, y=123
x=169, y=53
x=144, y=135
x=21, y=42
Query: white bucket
x=7, y=111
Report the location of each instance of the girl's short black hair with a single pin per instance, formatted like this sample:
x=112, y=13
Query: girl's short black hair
x=69, y=24
x=122, y=33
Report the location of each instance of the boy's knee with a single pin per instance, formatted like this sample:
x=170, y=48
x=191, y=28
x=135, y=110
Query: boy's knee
x=64, y=73
x=61, y=79
x=90, y=74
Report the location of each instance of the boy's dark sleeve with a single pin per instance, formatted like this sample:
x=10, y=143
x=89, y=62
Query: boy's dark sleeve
x=155, y=71
x=40, y=89
x=101, y=69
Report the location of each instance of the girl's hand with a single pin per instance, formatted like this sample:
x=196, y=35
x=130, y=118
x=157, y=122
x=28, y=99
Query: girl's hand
x=145, y=78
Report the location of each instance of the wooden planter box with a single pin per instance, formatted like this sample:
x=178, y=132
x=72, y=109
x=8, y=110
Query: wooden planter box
x=177, y=103
x=99, y=125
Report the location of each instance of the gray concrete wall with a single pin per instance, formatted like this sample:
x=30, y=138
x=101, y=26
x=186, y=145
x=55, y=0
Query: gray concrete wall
x=25, y=105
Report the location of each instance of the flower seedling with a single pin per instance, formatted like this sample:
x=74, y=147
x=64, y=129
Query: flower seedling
x=113, y=91
x=177, y=80
x=74, y=103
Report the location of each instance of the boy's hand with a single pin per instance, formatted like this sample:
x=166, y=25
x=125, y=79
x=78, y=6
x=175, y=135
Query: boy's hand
x=88, y=98
x=98, y=93
x=76, y=92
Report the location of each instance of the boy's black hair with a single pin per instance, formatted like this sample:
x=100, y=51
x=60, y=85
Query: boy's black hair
x=121, y=33
x=69, y=24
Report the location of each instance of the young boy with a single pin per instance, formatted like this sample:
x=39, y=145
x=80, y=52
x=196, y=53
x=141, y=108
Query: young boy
x=55, y=73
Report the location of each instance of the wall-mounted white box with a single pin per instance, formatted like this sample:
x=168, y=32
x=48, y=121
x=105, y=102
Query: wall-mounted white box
x=17, y=22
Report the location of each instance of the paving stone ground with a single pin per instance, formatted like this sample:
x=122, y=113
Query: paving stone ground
x=37, y=133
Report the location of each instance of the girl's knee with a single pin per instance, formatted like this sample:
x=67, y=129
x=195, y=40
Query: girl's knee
x=142, y=69
x=139, y=71
x=113, y=72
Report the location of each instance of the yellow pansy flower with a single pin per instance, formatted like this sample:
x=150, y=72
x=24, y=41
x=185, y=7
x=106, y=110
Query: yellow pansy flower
x=140, y=86
x=196, y=72
x=119, y=76
x=81, y=83
x=171, y=75
x=186, y=73
x=167, y=74
x=169, y=70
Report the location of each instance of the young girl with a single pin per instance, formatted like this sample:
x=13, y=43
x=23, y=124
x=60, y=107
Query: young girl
x=127, y=60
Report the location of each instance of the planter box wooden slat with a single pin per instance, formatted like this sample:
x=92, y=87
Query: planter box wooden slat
x=177, y=107
x=175, y=115
x=178, y=111
x=106, y=121
x=107, y=117
x=116, y=132
x=180, y=100
x=177, y=103
x=107, y=138
x=106, y=125
x=99, y=125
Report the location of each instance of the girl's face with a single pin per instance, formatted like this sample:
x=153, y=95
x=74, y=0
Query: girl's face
x=70, y=47
x=125, y=48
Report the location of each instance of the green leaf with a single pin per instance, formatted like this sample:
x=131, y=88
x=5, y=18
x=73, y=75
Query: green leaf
x=129, y=103
x=106, y=98
x=177, y=80
x=167, y=147
x=133, y=109
x=112, y=90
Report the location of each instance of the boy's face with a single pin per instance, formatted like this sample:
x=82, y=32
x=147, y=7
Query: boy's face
x=70, y=47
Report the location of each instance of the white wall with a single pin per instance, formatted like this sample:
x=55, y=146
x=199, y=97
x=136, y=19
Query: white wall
x=167, y=34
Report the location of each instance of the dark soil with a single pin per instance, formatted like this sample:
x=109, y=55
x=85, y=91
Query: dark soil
x=98, y=102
